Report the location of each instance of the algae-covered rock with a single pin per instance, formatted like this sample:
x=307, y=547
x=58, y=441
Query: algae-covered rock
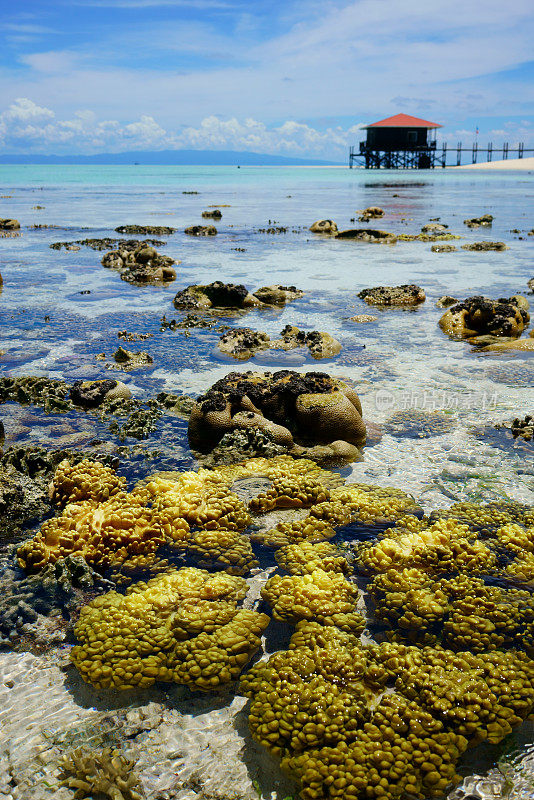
x=90, y=394
x=486, y=220
x=485, y=246
x=201, y=230
x=244, y=343
x=405, y=295
x=9, y=224
x=478, y=316
x=215, y=295
x=146, y=230
x=215, y=214
x=326, y=226
x=139, y=263
x=367, y=235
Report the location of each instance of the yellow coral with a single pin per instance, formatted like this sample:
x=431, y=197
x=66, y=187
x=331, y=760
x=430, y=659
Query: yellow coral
x=305, y=557
x=182, y=626
x=87, y=480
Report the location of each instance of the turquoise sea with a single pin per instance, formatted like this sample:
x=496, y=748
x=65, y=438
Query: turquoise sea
x=60, y=309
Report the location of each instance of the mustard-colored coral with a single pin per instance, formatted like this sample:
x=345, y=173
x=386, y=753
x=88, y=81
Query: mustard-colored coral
x=445, y=546
x=323, y=596
x=321, y=707
x=86, y=480
x=105, y=534
x=374, y=504
x=183, y=626
x=305, y=557
x=222, y=549
x=309, y=529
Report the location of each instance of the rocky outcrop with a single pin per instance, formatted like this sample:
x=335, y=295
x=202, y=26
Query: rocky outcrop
x=232, y=295
x=368, y=235
x=293, y=408
x=140, y=264
x=327, y=226
x=485, y=221
x=244, y=343
x=409, y=294
x=443, y=248
x=435, y=228
x=372, y=212
x=484, y=246
x=91, y=394
x=481, y=316
x=145, y=230
x=9, y=225
x=215, y=214
x=201, y=230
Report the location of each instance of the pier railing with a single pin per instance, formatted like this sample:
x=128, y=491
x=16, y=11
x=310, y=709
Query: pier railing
x=430, y=156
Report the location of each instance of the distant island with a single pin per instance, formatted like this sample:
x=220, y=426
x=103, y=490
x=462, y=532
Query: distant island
x=170, y=157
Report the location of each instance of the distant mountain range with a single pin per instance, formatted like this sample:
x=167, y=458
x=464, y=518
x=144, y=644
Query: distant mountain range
x=179, y=157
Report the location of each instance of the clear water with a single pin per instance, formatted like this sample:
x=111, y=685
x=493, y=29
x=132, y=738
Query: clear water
x=400, y=361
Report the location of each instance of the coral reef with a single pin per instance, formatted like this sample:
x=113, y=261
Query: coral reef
x=324, y=597
x=405, y=295
x=479, y=315
x=102, y=772
x=140, y=264
x=183, y=626
x=85, y=480
x=413, y=423
x=313, y=408
x=319, y=707
x=305, y=557
x=90, y=394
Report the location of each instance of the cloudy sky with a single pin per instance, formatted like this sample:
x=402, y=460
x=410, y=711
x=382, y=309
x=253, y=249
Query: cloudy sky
x=282, y=76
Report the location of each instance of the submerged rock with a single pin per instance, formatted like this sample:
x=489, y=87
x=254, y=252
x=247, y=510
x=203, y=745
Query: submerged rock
x=445, y=301
x=481, y=316
x=409, y=294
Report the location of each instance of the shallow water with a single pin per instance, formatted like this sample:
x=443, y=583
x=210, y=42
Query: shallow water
x=401, y=361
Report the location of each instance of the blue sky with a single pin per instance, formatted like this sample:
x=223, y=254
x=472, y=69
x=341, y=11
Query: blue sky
x=295, y=78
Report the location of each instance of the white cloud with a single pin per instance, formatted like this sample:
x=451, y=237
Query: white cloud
x=28, y=127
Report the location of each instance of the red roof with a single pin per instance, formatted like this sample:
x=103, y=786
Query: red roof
x=404, y=121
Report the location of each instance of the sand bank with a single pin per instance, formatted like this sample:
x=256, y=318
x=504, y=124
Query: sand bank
x=509, y=163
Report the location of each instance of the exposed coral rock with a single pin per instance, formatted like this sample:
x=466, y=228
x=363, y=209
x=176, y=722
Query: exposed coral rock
x=368, y=235
x=215, y=214
x=327, y=226
x=363, y=318
x=476, y=222
x=434, y=227
x=405, y=295
x=146, y=230
x=479, y=315
x=126, y=359
x=372, y=212
x=445, y=301
x=9, y=224
x=443, y=248
x=484, y=246
x=93, y=393
x=215, y=295
x=201, y=230
x=278, y=295
x=316, y=407
x=140, y=263
x=244, y=343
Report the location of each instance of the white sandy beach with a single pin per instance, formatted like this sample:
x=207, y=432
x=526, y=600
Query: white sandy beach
x=522, y=164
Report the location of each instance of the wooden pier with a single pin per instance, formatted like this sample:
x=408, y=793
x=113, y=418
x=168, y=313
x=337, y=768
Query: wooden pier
x=430, y=155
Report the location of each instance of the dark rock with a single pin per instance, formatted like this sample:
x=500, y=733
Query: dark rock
x=485, y=220
x=201, y=230
x=9, y=224
x=409, y=294
x=146, y=230
x=91, y=394
x=368, y=235
x=481, y=316
x=215, y=214
x=483, y=246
